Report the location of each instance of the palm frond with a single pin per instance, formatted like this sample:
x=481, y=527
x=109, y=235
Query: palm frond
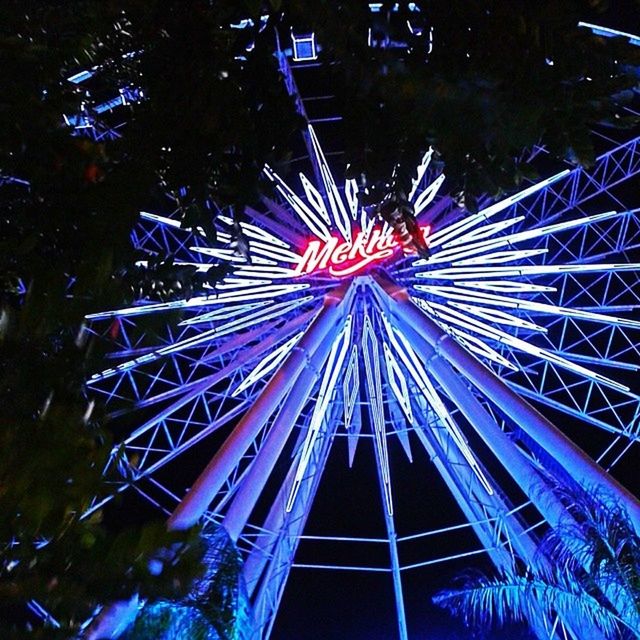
x=484, y=602
x=598, y=543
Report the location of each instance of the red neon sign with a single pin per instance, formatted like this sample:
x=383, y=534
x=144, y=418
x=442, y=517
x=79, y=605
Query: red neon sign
x=344, y=258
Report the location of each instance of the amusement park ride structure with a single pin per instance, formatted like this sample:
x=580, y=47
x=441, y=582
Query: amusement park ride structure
x=333, y=331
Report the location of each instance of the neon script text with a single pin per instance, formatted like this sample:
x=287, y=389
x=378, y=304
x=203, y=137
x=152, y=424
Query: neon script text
x=344, y=258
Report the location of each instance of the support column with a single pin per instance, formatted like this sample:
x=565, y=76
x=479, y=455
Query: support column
x=253, y=484
x=267, y=568
x=211, y=480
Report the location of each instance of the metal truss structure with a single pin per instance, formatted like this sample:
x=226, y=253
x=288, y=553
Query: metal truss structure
x=331, y=333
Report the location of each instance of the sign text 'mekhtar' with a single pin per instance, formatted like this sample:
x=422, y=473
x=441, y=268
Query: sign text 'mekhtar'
x=343, y=258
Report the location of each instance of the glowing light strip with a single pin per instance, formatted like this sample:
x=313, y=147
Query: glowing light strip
x=471, y=221
x=483, y=231
x=338, y=211
x=271, y=272
x=501, y=317
x=610, y=33
x=230, y=255
x=167, y=222
x=351, y=194
x=272, y=291
x=468, y=295
x=313, y=222
x=427, y=196
x=203, y=267
x=230, y=284
x=422, y=169
x=252, y=231
x=272, y=311
x=452, y=316
x=417, y=372
x=506, y=286
x=458, y=273
x=473, y=343
x=500, y=257
x=267, y=364
x=374, y=385
x=398, y=383
x=314, y=198
x=350, y=387
x=455, y=253
x=332, y=371
x=224, y=314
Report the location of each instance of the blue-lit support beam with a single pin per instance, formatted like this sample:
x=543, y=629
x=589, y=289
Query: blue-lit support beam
x=554, y=442
x=494, y=521
x=252, y=485
x=611, y=33
x=512, y=459
x=372, y=358
x=480, y=507
x=268, y=565
x=226, y=458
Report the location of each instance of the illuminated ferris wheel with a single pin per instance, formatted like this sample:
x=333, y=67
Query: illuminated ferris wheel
x=330, y=337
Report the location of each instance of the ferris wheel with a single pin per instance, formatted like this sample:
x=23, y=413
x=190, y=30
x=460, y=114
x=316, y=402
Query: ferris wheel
x=332, y=339
x=331, y=332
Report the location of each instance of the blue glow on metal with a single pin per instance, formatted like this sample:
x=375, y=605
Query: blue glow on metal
x=268, y=364
x=328, y=383
x=611, y=33
x=339, y=214
x=370, y=351
x=422, y=169
x=80, y=77
x=304, y=47
x=398, y=383
x=453, y=230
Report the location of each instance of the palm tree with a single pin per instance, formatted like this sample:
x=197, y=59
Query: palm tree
x=591, y=579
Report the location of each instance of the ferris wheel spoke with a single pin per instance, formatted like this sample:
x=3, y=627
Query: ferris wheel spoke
x=607, y=238
x=580, y=185
x=497, y=523
x=472, y=248
x=236, y=363
x=415, y=368
x=333, y=369
x=311, y=219
x=451, y=233
x=449, y=316
x=250, y=319
x=464, y=273
x=339, y=215
x=480, y=297
x=280, y=227
x=371, y=354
